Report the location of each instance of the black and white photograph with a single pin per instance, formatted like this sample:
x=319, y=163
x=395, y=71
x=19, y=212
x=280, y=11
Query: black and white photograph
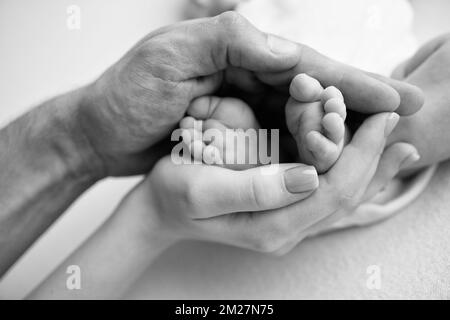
x=224, y=155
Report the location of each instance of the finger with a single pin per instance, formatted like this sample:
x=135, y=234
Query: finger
x=395, y=158
x=357, y=168
x=244, y=80
x=203, y=47
x=424, y=53
x=411, y=97
x=362, y=92
x=399, y=72
x=357, y=164
x=215, y=191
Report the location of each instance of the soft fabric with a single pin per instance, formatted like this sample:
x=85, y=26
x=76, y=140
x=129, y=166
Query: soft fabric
x=374, y=35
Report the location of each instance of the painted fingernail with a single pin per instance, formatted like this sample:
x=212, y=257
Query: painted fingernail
x=410, y=160
x=281, y=46
x=301, y=179
x=391, y=123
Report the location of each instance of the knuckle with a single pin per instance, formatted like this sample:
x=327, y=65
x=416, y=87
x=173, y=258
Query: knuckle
x=341, y=196
x=157, y=57
x=346, y=198
x=191, y=195
x=262, y=196
x=257, y=193
x=231, y=20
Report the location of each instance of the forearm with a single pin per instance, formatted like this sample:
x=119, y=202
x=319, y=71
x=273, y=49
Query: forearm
x=43, y=169
x=114, y=257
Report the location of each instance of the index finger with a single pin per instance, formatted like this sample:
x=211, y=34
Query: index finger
x=202, y=47
x=363, y=92
x=359, y=160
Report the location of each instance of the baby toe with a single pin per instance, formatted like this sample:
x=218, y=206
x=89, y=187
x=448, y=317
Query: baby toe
x=201, y=108
x=192, y=138
x=211, y=155
x=334, y=127
x=196, y=149
x=330, y=93
x=305, y=88
x=336, y=105
x=324, y=151
x=187, y=123
x=191, y=134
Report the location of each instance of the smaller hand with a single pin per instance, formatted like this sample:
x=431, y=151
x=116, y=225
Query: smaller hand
x=269, y=213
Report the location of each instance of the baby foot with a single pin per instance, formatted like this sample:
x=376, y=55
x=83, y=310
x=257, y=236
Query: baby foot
x=215, y=132
x=315, y=117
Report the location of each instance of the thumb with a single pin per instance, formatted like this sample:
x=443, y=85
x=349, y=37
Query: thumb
x=422, y=55
x=207, y=46
x=217, y=191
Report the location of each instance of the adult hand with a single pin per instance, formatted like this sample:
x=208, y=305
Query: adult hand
x=428, y=129
x=266, y=212
x=142, y=97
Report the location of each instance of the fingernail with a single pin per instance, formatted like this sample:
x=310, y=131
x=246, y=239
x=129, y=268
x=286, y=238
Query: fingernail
x=391, y=123
x=411, y=159
x=281, y=46
x=301, y=179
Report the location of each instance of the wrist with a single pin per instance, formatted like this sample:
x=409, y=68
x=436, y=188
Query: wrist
x=139, y=213
x=46, y=165
x=69, y=140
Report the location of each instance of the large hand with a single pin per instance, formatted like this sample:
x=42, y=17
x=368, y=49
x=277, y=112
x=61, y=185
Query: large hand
x=266, y=212
x=139, y=99
x=428, y=129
